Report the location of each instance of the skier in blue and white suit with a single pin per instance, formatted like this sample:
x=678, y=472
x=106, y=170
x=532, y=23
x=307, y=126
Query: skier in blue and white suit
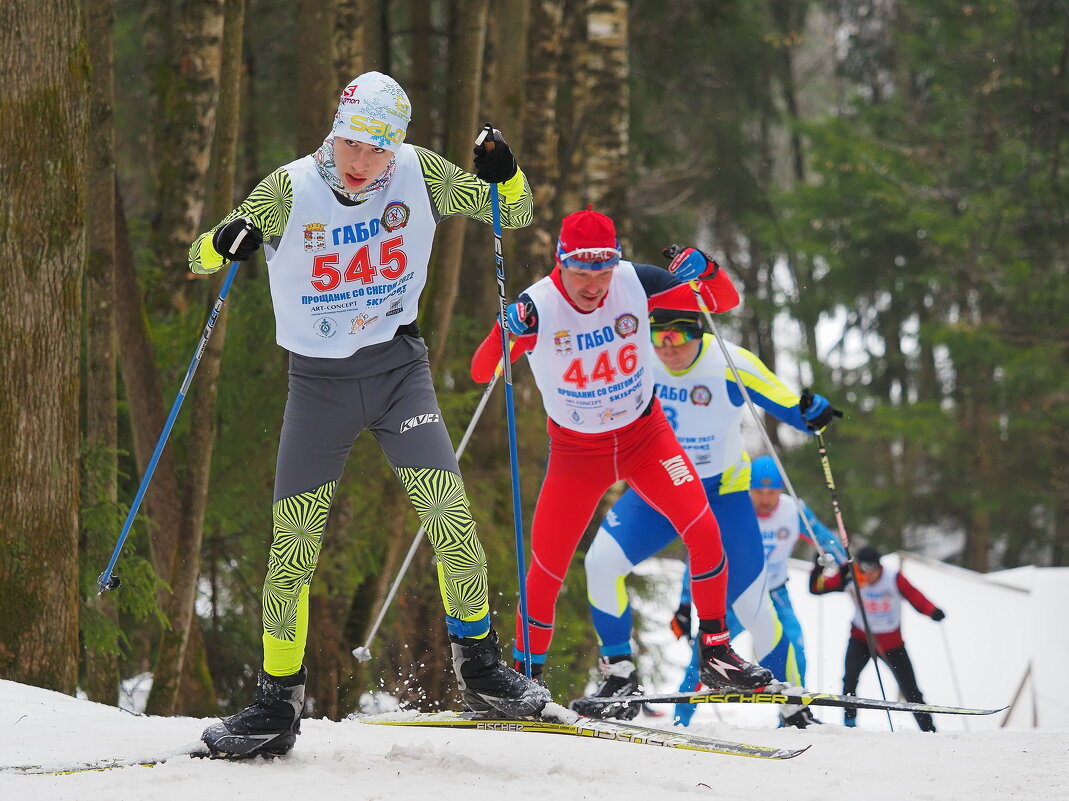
x=781, y=524
x=704, y=405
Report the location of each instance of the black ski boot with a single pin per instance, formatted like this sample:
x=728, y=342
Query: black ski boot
x=801, y=719
x=268, y=727
x=723, y=669
x=620, y=680
x=488, y=685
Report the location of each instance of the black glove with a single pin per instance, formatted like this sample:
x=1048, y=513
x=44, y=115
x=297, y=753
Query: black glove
x=680, y=622
x=237, y=240
x=938, y=614
x=816, y=410
x=846, y=572
x=494, y=162
x=688, y=264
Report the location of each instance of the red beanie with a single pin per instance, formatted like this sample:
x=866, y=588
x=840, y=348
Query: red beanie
x=588, y=240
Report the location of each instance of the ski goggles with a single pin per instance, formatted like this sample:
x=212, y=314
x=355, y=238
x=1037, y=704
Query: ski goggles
x=589, y=258
x=868, y=567
x=663, y=337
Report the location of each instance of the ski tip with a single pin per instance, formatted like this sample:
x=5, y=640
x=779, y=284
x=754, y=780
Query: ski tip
x=791, y=753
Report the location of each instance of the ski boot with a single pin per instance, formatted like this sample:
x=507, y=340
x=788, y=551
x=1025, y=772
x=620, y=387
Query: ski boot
x=620, y=680
x=723, y=669
x=800, y=719
x=268, y=727
x=490, y=687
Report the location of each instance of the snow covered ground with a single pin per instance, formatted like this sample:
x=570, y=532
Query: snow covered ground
x=992, y=649
x=349, y=760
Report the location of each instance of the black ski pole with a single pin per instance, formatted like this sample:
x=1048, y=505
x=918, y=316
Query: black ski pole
x=108, y=580
x=822, y=449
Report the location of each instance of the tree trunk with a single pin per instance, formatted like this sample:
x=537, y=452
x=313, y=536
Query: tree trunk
x=44, y=75
x=376, y=30
x=603, y=112
x=540, y=139
x=186, y=560
x=420, y=82
x=465, y=81
x=318, y=98
x=188, y=89
x=101, y=426
x=348, y=42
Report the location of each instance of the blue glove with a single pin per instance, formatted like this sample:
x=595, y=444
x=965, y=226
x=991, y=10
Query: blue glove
x=817, y=410
x=520, y=317
x=689, y=264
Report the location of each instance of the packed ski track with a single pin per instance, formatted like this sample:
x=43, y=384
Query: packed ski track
x=50, y=731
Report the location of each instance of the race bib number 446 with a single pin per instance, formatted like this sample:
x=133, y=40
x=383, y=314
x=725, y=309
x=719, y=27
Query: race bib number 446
x=603, y=370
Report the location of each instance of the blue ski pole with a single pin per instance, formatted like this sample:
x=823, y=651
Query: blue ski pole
x=486, y=139
x=108, y=580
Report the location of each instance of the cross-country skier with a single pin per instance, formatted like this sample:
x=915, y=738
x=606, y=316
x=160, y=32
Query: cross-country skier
x=704, y=405
x=585, y=329
x=882, y=592
x=347, y=233
x=781, y=527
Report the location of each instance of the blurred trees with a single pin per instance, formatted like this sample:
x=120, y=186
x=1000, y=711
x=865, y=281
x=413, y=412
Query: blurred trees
x=884, y=181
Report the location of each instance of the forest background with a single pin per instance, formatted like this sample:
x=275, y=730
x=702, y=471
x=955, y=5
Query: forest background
x=885, y=181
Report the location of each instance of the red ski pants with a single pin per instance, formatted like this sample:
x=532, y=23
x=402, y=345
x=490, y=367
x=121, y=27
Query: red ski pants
x=647, y=455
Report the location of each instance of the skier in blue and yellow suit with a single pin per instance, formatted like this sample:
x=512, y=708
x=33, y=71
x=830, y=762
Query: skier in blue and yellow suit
x=704, y=405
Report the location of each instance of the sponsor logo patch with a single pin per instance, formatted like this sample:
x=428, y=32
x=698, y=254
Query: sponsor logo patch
x=315, y=237
x=701, y=396
x=361, y=321
x=419, y=420
x=562, y=342
x=626, y=325
x=326, y=327
x=395, y=216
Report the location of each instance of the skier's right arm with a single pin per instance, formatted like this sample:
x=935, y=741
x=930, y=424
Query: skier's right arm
x=267, y=209
x=522, y=318
x=820, y=582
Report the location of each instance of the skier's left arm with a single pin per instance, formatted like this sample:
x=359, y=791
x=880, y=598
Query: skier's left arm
x=455, y=191
x=828, y=541
x=918, y=600
x=672, y=289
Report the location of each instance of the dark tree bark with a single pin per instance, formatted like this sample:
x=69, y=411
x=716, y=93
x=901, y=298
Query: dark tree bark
x=101, y=426
x=167, y=676
x=465, y=82
x=318, y=98
x=187, y=90
x=44, y=85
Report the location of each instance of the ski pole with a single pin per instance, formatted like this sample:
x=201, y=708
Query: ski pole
x=363, y=652
x=715, y=330
x=108, y=580
x=486, y=139
x=753, y=411
x=825, y=463
x=953, y=672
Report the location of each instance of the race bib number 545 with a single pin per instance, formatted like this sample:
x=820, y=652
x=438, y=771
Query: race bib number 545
x=392, y=262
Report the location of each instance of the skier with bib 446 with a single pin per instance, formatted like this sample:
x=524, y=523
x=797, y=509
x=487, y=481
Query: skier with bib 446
x=347, y=232
x=585, y=329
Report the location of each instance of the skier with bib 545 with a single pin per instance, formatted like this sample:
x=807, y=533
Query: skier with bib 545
x=585, y=329
x=347, y=232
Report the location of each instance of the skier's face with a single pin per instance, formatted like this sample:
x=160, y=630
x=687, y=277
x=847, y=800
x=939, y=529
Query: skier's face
x=359, y=163
x=586, y=288
x=765, y=501
x=675, y=354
